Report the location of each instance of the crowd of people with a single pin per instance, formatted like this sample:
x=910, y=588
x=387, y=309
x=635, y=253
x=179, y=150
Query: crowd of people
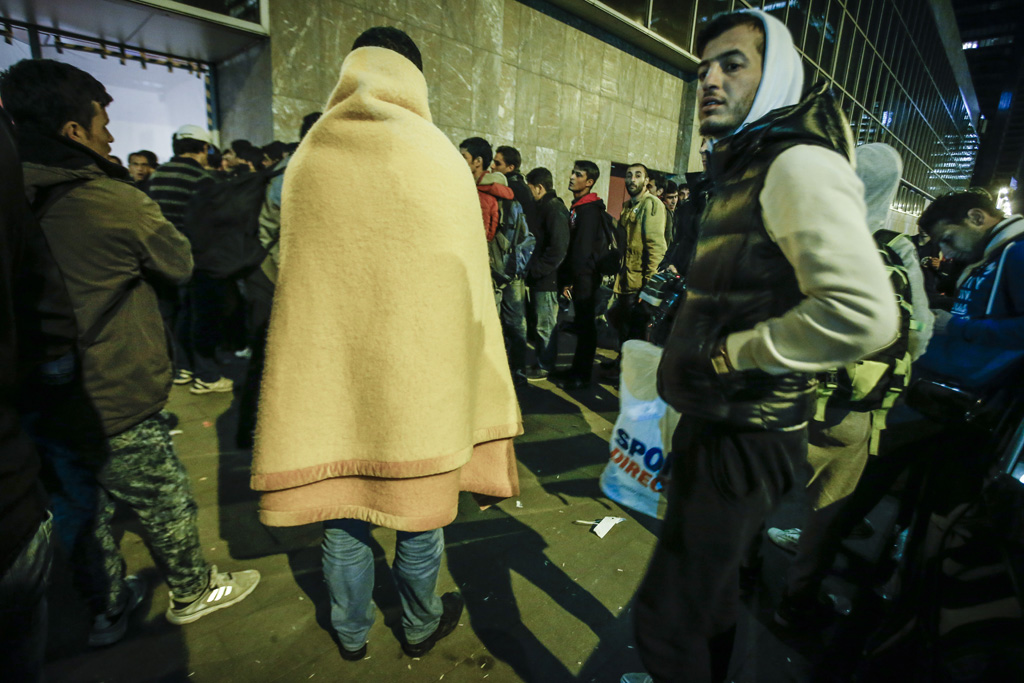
x=791, y=350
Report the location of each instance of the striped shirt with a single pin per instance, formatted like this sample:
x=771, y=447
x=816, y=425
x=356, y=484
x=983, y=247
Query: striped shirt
x=173, y=184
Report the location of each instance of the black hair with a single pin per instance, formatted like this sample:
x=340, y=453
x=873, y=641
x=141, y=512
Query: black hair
x=307, y=122
x=182, y=146
x=254, y=155
x=723, y=22
x=45, y=94
x=511, y=156
x=647, y=172
x=237, y=145
x=588, y=167
x=116, y=159
x=954, y=207
x=540, y=176
x=393, y=39
x=671, y=187
x=214, y=157
x=659, y=180
x=150, y=157
x=478, y=147
x=275, y=150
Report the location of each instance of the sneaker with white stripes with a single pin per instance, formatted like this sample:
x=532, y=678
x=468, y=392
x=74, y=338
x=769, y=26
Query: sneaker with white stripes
x=787, y=539
x=224, y=589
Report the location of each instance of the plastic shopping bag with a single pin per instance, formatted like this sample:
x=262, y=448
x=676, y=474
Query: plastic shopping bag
x=644, y=425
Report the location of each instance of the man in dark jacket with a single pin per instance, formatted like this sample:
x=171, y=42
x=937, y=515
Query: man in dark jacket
x=110, y=243
x=25, y=526
x=578, y=275
x=760, y=317
x=507, y=161
x=552, y=234
x=194, y=313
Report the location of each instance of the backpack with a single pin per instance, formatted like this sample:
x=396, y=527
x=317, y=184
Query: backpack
x=222, y=223
x=612, y=253
x=513, y=244
x=874, y=383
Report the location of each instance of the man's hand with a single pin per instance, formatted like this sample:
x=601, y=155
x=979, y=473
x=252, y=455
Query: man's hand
x=932, y=262
x=567, y=293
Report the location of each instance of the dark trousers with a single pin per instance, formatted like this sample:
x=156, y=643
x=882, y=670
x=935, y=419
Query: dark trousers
x=724, y=484
x=206, y=305
x=584, y=303
x=261, y=295
x=626, y=314
x=23, y=609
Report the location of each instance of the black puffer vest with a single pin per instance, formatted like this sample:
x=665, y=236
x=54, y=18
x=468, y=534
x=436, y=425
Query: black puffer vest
x=739, y=276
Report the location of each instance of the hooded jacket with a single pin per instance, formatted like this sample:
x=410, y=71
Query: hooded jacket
x=111, y=244
x=586, y=236
x=492, y=188
x=382, y=398
x=785, y=277
x=880, y=168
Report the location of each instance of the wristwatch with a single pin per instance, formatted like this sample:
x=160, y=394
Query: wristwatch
x=720, y=359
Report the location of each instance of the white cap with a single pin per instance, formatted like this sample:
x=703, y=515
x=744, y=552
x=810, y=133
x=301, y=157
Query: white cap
x=191, y=132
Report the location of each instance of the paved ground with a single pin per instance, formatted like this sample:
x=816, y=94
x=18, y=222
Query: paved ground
x=546, y=600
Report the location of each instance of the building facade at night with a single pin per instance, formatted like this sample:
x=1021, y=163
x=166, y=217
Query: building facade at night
x=609, y=80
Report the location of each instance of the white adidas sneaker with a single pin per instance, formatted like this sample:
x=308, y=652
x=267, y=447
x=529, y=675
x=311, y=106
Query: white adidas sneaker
x=225, y=589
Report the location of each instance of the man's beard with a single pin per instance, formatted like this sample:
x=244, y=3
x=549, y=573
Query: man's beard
x=716, y=130
x=634, y=191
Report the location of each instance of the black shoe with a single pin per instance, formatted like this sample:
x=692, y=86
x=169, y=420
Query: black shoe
x=575, y=384
x=536, y=373
x=519, y=378
x=453, y=605
x=352, y=655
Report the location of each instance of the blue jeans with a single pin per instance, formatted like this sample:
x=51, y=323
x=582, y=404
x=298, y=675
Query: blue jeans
x=23, y=613
x=546, y=305
x=511, y=300
x=348, y=570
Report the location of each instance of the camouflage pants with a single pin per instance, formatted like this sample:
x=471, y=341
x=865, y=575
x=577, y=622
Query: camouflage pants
x=144, y=473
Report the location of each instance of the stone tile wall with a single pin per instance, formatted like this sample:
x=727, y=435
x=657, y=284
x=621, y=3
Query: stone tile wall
x=497, y=69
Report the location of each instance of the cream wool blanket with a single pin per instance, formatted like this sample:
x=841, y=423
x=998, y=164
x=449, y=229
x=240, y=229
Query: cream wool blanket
x=386, y=389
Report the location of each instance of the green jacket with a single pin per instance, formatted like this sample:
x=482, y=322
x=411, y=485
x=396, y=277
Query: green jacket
x=110, y=242
x=643, y=221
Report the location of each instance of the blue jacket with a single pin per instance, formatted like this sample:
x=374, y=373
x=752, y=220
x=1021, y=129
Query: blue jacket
x=983, y=345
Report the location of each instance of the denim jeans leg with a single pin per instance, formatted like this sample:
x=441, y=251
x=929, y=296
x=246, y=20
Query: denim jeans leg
x=547, y=319
x=348, y=571
x=513, y=320
x=23, y=613
x=417, y=563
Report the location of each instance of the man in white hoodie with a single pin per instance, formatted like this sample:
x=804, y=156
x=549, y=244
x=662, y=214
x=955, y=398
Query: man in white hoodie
x=785, y=282
x=844, y=433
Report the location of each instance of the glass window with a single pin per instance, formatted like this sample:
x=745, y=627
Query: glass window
x=708, y=10
x=843, y=63
x=634, y=10
x=830, y=36
x=815, y=29
x=673, y=20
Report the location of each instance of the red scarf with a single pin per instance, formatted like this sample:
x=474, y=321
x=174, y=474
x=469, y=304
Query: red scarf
x=588, y=198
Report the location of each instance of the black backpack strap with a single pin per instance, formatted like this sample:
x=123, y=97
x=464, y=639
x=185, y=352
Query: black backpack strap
x=41, y=204
x=48, y=196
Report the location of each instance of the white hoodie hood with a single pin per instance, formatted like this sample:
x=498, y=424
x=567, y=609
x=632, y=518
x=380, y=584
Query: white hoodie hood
x=782, y=75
